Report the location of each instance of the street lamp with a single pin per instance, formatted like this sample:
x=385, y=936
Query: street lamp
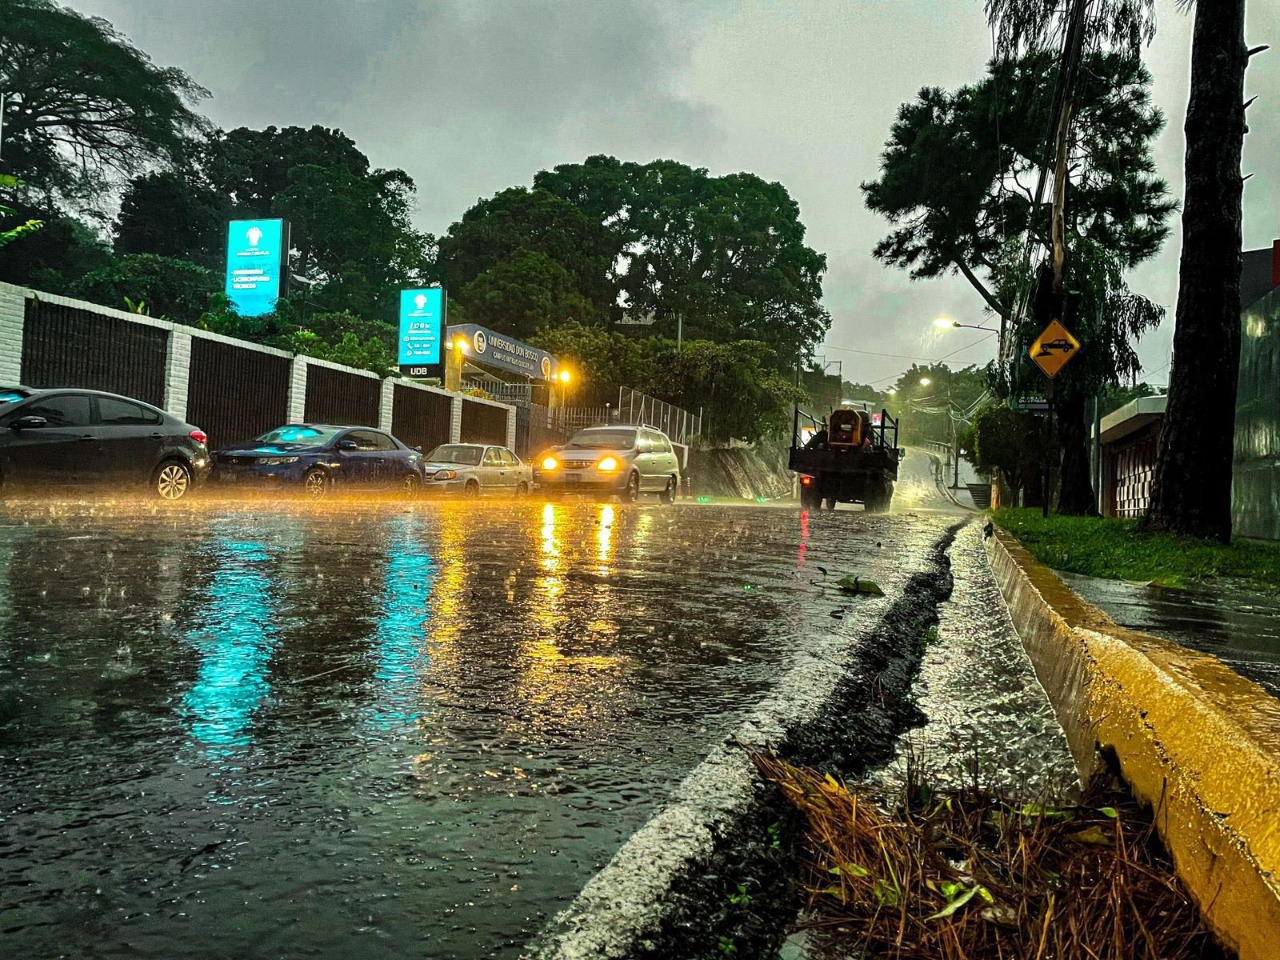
x=946, y=323
x=925, y=381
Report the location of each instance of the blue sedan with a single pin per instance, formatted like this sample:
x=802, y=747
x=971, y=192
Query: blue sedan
x=317, y=457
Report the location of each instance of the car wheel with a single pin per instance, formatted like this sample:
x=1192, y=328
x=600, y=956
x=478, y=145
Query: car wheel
x=632, y=493
x=172, y=480
x=315, y=485
x=411, y=486
x=471, y=491
x=831, y=503
x=669, y=492
x=522, y=489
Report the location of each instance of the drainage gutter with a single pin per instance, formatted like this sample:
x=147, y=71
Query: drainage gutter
x=1190, y=736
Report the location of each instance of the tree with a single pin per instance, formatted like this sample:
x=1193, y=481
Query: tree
x=535, y=221
x=956, y=184
x=1008, y=445
x=63, y=250
x=723, y=256
x=176, y=289
x=173, y=214
x=20, y=229
x=1191, y=493
x=83, y=107
x=525, y=291
x=603, y=359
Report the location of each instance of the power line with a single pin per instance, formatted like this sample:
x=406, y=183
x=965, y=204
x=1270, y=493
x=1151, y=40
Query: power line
x=900, y=356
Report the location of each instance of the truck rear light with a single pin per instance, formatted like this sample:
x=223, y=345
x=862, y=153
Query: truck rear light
x=199, y=436
x=806, y=481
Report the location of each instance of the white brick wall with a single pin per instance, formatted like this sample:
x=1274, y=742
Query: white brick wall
x=13, y=309
x=455, y=420
x=297, y=411
x=177, y=373
x=386, y=405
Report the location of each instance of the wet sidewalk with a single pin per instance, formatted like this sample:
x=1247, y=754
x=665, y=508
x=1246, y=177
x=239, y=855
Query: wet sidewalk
x=1240, y=627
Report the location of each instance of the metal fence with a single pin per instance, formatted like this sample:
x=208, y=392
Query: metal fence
x=64, y=345
x=420, y=417
x=235, y=393
x=339, y=397
x=639, y=408
x=483, y=422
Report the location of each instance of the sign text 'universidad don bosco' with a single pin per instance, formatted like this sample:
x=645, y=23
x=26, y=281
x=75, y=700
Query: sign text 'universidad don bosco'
x=498, y=350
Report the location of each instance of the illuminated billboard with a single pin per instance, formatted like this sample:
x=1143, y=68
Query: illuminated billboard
x=421, y=328
x=257, y=252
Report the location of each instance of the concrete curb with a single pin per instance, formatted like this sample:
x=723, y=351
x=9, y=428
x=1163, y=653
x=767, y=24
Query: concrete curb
x=1191, y=737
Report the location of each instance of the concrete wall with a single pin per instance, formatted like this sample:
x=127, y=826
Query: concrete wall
x=177, y=375
x=1256, y=474
x=1193, y=739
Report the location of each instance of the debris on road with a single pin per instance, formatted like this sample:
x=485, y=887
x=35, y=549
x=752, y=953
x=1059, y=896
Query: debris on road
x=860, y=586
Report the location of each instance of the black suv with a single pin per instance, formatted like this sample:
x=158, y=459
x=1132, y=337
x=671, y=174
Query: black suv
x=85, y=437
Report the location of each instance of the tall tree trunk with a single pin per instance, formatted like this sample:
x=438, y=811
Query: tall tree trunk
x=1191, y=493
x=1075, y=487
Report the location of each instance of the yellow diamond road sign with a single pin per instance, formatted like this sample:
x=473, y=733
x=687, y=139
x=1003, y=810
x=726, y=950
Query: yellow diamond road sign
x=1053, y=348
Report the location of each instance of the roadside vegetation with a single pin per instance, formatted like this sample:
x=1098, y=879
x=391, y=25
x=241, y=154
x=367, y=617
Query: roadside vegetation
x=972, y=876
x=1122, y=550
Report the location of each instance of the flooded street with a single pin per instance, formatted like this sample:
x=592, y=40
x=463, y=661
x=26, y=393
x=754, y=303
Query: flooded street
x=402, y=731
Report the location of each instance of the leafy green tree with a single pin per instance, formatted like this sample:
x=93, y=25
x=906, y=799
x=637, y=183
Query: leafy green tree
x=176, y=289
x=62, y=251
x=84, y=108
x=371, y=354
x=173, y=214
x=956, y=184
x=535, y=221
x=1009, y=445
x=957, y=172
x=525, y=291
x=735, y=385
x=23, y=227
x=602, y=359
x=722, y=257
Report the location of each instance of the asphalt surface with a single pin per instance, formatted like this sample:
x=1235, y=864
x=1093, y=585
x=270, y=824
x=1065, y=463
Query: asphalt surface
x=395, y=730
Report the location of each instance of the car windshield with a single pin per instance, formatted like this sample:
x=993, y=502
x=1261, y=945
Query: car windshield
x=604, y=440
x=311, y=436
x=456, y=453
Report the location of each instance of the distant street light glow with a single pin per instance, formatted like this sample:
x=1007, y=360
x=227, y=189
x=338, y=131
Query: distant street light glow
x=925, y=381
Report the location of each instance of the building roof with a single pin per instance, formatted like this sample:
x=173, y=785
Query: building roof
x=1132, y=417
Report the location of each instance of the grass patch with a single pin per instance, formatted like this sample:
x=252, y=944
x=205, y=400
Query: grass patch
x=1119, y=550
x=971, y=876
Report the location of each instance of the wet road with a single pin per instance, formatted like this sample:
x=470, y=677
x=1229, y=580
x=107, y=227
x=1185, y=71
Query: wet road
x=230, y=730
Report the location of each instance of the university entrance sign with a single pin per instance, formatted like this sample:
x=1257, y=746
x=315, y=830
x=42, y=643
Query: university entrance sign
x=498, y=350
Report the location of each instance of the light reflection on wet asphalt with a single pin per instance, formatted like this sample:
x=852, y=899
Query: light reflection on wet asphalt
x=237, y=730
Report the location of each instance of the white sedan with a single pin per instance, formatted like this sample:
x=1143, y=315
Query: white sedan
x=475, y=470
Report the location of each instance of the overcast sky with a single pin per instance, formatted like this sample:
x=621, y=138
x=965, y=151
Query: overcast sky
x=472, y=96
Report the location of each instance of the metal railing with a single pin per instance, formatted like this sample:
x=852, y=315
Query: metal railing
x=638, y=408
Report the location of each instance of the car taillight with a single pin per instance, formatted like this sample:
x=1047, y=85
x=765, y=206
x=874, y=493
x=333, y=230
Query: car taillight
x=199, y=436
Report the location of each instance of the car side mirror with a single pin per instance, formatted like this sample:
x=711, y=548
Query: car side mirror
x=902, y=453
x=29, y=423
x=417, y=449
x=348, y=445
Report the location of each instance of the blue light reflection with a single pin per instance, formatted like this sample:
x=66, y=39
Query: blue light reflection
x=235, y=646
x=400, y=641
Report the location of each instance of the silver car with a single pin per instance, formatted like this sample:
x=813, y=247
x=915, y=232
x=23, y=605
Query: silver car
x=475, y=470
x=624, y=461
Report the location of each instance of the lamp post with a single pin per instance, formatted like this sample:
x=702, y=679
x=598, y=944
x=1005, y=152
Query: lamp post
x=946, y=323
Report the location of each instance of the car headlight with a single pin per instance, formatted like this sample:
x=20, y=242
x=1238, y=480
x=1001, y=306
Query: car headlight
x=607, y=465
x=550, y=463
x=445, y=475
x=277, y=461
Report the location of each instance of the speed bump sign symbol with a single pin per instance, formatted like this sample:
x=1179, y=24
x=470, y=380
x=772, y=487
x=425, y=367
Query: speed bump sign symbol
x=1053, y=349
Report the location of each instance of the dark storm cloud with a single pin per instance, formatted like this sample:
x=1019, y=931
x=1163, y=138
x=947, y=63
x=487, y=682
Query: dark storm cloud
x=471, y=96
x=468, y=97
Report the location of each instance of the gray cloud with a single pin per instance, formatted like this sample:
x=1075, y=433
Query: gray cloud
x=471, y=96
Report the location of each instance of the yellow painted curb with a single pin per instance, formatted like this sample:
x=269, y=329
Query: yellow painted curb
x=1193, y=738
